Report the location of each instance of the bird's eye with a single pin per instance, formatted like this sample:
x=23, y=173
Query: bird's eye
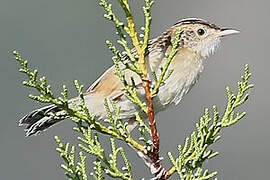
x=200, y=32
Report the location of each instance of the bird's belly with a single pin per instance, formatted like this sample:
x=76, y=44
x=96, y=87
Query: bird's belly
x=173, y=93
x=170, y=93
x=179, y=84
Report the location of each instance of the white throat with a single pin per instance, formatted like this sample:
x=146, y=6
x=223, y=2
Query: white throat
x=208, y=47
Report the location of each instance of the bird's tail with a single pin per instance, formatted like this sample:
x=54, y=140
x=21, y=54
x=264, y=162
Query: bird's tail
x=37, y=121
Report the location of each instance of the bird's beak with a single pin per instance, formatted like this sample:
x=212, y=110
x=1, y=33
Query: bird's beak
x=227, y=31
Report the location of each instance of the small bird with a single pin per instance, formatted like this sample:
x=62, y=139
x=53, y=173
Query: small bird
x=198, y=40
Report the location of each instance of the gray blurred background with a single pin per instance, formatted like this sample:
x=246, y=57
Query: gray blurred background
x=64, y=39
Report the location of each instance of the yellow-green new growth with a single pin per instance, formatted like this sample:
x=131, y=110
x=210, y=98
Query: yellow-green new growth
x=195, y=149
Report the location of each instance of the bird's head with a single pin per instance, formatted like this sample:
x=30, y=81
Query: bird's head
x=200, y=36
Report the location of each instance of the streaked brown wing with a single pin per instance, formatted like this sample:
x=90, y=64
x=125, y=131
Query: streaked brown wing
x=109, y=84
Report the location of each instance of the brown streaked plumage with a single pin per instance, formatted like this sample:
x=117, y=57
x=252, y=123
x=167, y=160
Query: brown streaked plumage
x=198, y=40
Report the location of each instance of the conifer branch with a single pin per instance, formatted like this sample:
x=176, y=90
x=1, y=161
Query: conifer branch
x=191, y=156
x=74, y=171
x=80, y=113
x=195, y=151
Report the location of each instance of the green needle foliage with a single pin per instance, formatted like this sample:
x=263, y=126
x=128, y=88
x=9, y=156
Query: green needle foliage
x=196, y=148
x=188, y=164
x=74, y=171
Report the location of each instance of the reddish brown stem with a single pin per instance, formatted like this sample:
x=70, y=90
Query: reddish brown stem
x=154, y=154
